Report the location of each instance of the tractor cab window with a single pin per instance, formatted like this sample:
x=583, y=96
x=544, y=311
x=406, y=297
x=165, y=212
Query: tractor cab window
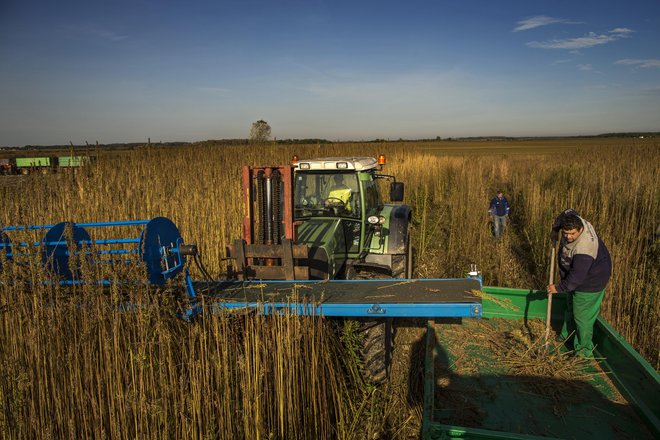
x=372, y=199
x=326, y=194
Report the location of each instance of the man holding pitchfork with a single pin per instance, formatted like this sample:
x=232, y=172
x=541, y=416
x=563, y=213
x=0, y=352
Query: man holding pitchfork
x=584, y=268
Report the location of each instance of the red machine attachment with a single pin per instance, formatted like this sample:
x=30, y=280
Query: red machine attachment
x=268, y=249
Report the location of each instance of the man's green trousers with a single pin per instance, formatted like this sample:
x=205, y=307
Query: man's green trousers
x=582, y=309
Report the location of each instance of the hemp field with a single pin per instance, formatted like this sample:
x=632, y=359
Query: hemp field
x=72, y=371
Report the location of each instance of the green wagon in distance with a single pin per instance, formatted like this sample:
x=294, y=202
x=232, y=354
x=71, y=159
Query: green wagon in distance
x=72, y=161
x=46, y=164
x=26, y=165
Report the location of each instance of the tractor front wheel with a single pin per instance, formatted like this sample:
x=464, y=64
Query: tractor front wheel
x=403, y=265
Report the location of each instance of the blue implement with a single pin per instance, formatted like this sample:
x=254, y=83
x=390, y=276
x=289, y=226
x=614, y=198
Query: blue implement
x=158, y=245
x=156, y=242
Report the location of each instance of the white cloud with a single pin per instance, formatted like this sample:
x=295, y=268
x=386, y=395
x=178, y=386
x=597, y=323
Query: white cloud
x=590, y=40
x=98, y=32
x=621, y=31
x=584, y=67
x=646, y=64
x=538, y=21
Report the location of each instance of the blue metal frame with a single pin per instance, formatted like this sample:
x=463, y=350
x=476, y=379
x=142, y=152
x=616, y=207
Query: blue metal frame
x=82, y=225
x=157, y=245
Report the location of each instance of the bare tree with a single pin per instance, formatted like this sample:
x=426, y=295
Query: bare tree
x=260, y=131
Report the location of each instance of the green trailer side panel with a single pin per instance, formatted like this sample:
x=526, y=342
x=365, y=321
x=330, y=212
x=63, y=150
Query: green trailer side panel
x=634, y=376
x=26, y=162
x=501, y=302
x=71, y=161
x=448, y=432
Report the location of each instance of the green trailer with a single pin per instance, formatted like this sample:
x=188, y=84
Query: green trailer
x=33, y=162
x=71, y=161
x=474, y=389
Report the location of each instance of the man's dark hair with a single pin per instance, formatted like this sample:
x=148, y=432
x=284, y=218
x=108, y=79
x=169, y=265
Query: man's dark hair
x=571, y=221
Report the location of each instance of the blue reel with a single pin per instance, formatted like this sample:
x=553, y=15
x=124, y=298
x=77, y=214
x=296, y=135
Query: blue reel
x=158, y=247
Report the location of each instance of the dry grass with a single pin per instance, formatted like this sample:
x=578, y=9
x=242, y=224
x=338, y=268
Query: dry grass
x=84, y=367
x=77, y=366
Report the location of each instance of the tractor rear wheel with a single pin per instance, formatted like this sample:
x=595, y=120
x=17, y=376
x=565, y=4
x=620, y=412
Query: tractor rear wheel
x=375, y=338
x=377, y=334
x=376, y=349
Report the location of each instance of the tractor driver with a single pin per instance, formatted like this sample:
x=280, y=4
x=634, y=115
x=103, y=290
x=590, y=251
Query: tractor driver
x=339, y=194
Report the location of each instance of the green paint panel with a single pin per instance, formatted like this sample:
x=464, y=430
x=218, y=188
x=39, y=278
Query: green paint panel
x=507, y=303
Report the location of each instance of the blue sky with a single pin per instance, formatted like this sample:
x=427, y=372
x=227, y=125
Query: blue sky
x=128, y=70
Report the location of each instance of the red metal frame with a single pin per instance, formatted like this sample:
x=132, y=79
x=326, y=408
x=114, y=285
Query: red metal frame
x=286, y=171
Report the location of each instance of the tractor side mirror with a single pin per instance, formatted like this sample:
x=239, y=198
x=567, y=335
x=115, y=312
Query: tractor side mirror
x=396, y=191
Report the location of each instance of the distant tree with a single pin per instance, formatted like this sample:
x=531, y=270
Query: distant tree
x=260, y=131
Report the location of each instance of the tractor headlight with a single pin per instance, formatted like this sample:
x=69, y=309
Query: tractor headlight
x=304, y=165
x=342, y=165
x=376, y=220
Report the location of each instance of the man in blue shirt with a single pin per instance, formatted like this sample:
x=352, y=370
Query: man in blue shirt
x=499, y=212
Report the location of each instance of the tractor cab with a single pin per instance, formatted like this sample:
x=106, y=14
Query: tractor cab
x=338, y=209
x=335, y=187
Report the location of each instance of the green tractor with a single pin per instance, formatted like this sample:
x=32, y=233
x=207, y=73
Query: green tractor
x=322, y=219
x=325, y=219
